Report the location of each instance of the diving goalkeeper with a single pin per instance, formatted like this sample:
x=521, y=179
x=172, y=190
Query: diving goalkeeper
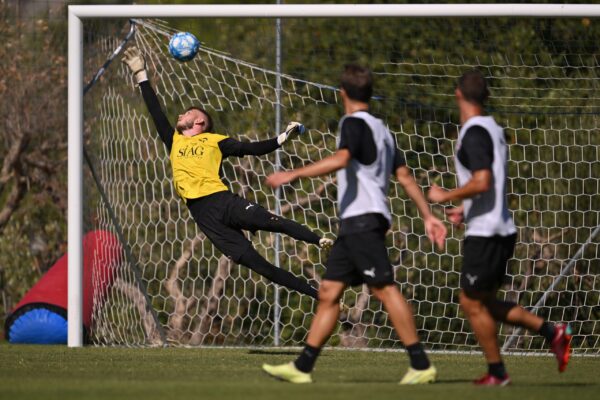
x=196, y=154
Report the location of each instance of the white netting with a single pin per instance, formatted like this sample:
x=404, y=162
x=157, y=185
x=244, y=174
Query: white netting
x=548, y=102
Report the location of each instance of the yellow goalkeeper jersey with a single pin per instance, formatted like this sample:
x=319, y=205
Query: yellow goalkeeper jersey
x=196, y=163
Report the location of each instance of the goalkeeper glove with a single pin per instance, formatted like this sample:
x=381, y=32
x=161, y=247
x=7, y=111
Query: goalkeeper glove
x=293, y=128
x=134, y=58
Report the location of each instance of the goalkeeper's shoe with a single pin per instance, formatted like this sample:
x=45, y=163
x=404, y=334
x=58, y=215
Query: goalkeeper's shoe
x=491, y=380
x=561, y=345
x=287, y=372
x=325, y=243
x=419, y=376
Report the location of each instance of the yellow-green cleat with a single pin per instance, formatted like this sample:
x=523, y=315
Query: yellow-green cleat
x=287, y=372
x=418, y=377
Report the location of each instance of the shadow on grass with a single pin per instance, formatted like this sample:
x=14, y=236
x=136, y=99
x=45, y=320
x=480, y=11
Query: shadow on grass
x=557, y=384
x=392, y=382
x=452, y=381
x=274, y=352
x=469, y=383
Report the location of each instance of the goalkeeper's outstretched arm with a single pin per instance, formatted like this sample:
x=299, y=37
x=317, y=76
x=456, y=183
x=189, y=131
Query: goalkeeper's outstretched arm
x=136, y=62
x=232, y=147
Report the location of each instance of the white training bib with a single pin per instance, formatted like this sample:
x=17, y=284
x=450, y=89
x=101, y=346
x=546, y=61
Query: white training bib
x=487, y=213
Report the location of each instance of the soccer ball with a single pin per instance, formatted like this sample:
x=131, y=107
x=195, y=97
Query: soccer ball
x=183, y=46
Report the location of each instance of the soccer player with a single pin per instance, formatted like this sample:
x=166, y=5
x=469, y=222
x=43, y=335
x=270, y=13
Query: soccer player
x=481, y=166
x=366, y=157
x=196, y=155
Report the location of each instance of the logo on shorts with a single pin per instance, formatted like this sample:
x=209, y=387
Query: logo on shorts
x=370, y=272
x=249, y=205
x=471, y=278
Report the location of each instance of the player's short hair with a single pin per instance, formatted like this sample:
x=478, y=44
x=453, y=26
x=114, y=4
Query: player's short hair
x=209, y=127
x=357, y=81
x=473, y=86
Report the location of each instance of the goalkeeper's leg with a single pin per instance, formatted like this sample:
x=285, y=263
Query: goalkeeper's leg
x=251, y=259
x=249, y=216
x=232, y=242
x=273, y=223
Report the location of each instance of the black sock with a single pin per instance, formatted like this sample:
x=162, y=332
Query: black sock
x=306, y=360
x=418, y=357
x=547, y=331
x=497, y=369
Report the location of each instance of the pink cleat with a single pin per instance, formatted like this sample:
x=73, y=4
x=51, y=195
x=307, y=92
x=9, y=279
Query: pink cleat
x=491, y=380
x=561, y=345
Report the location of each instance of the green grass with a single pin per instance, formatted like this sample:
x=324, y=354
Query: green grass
x=56, y=372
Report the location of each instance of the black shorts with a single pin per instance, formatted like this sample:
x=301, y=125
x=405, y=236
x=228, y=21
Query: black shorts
x=484, y=262
x=360, y=258
x=221, y=217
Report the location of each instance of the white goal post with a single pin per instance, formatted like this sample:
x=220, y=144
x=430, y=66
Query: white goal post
x=77, y=15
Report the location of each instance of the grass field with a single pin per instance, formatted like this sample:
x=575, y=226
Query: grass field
x=56, y=372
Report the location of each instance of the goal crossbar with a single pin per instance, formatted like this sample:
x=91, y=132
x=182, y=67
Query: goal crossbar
x=76, y=14
x=337, y=10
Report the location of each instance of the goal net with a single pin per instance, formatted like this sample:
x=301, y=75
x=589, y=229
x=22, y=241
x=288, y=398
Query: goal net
x=174, y=287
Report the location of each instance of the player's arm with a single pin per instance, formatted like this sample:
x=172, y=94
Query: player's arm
x=355, y=137
x=456, y=215
x=232, y=147
x=434, y=228
x=413, y=191
x=136, y=62
x=330, y=164
x=480, y=182
x=478, y=153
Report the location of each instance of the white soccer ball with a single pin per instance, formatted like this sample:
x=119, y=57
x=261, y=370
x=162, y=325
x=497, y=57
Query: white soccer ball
x=183, y=46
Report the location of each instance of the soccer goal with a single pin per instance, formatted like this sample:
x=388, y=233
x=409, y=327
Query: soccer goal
x=260, y=66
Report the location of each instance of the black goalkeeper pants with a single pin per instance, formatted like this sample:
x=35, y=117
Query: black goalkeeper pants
x=222, y=216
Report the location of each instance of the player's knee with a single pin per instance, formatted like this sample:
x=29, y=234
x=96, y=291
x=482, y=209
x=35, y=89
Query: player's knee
x=382, y=290
x=328, y=294
x=470, y=304
x=327, y=297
